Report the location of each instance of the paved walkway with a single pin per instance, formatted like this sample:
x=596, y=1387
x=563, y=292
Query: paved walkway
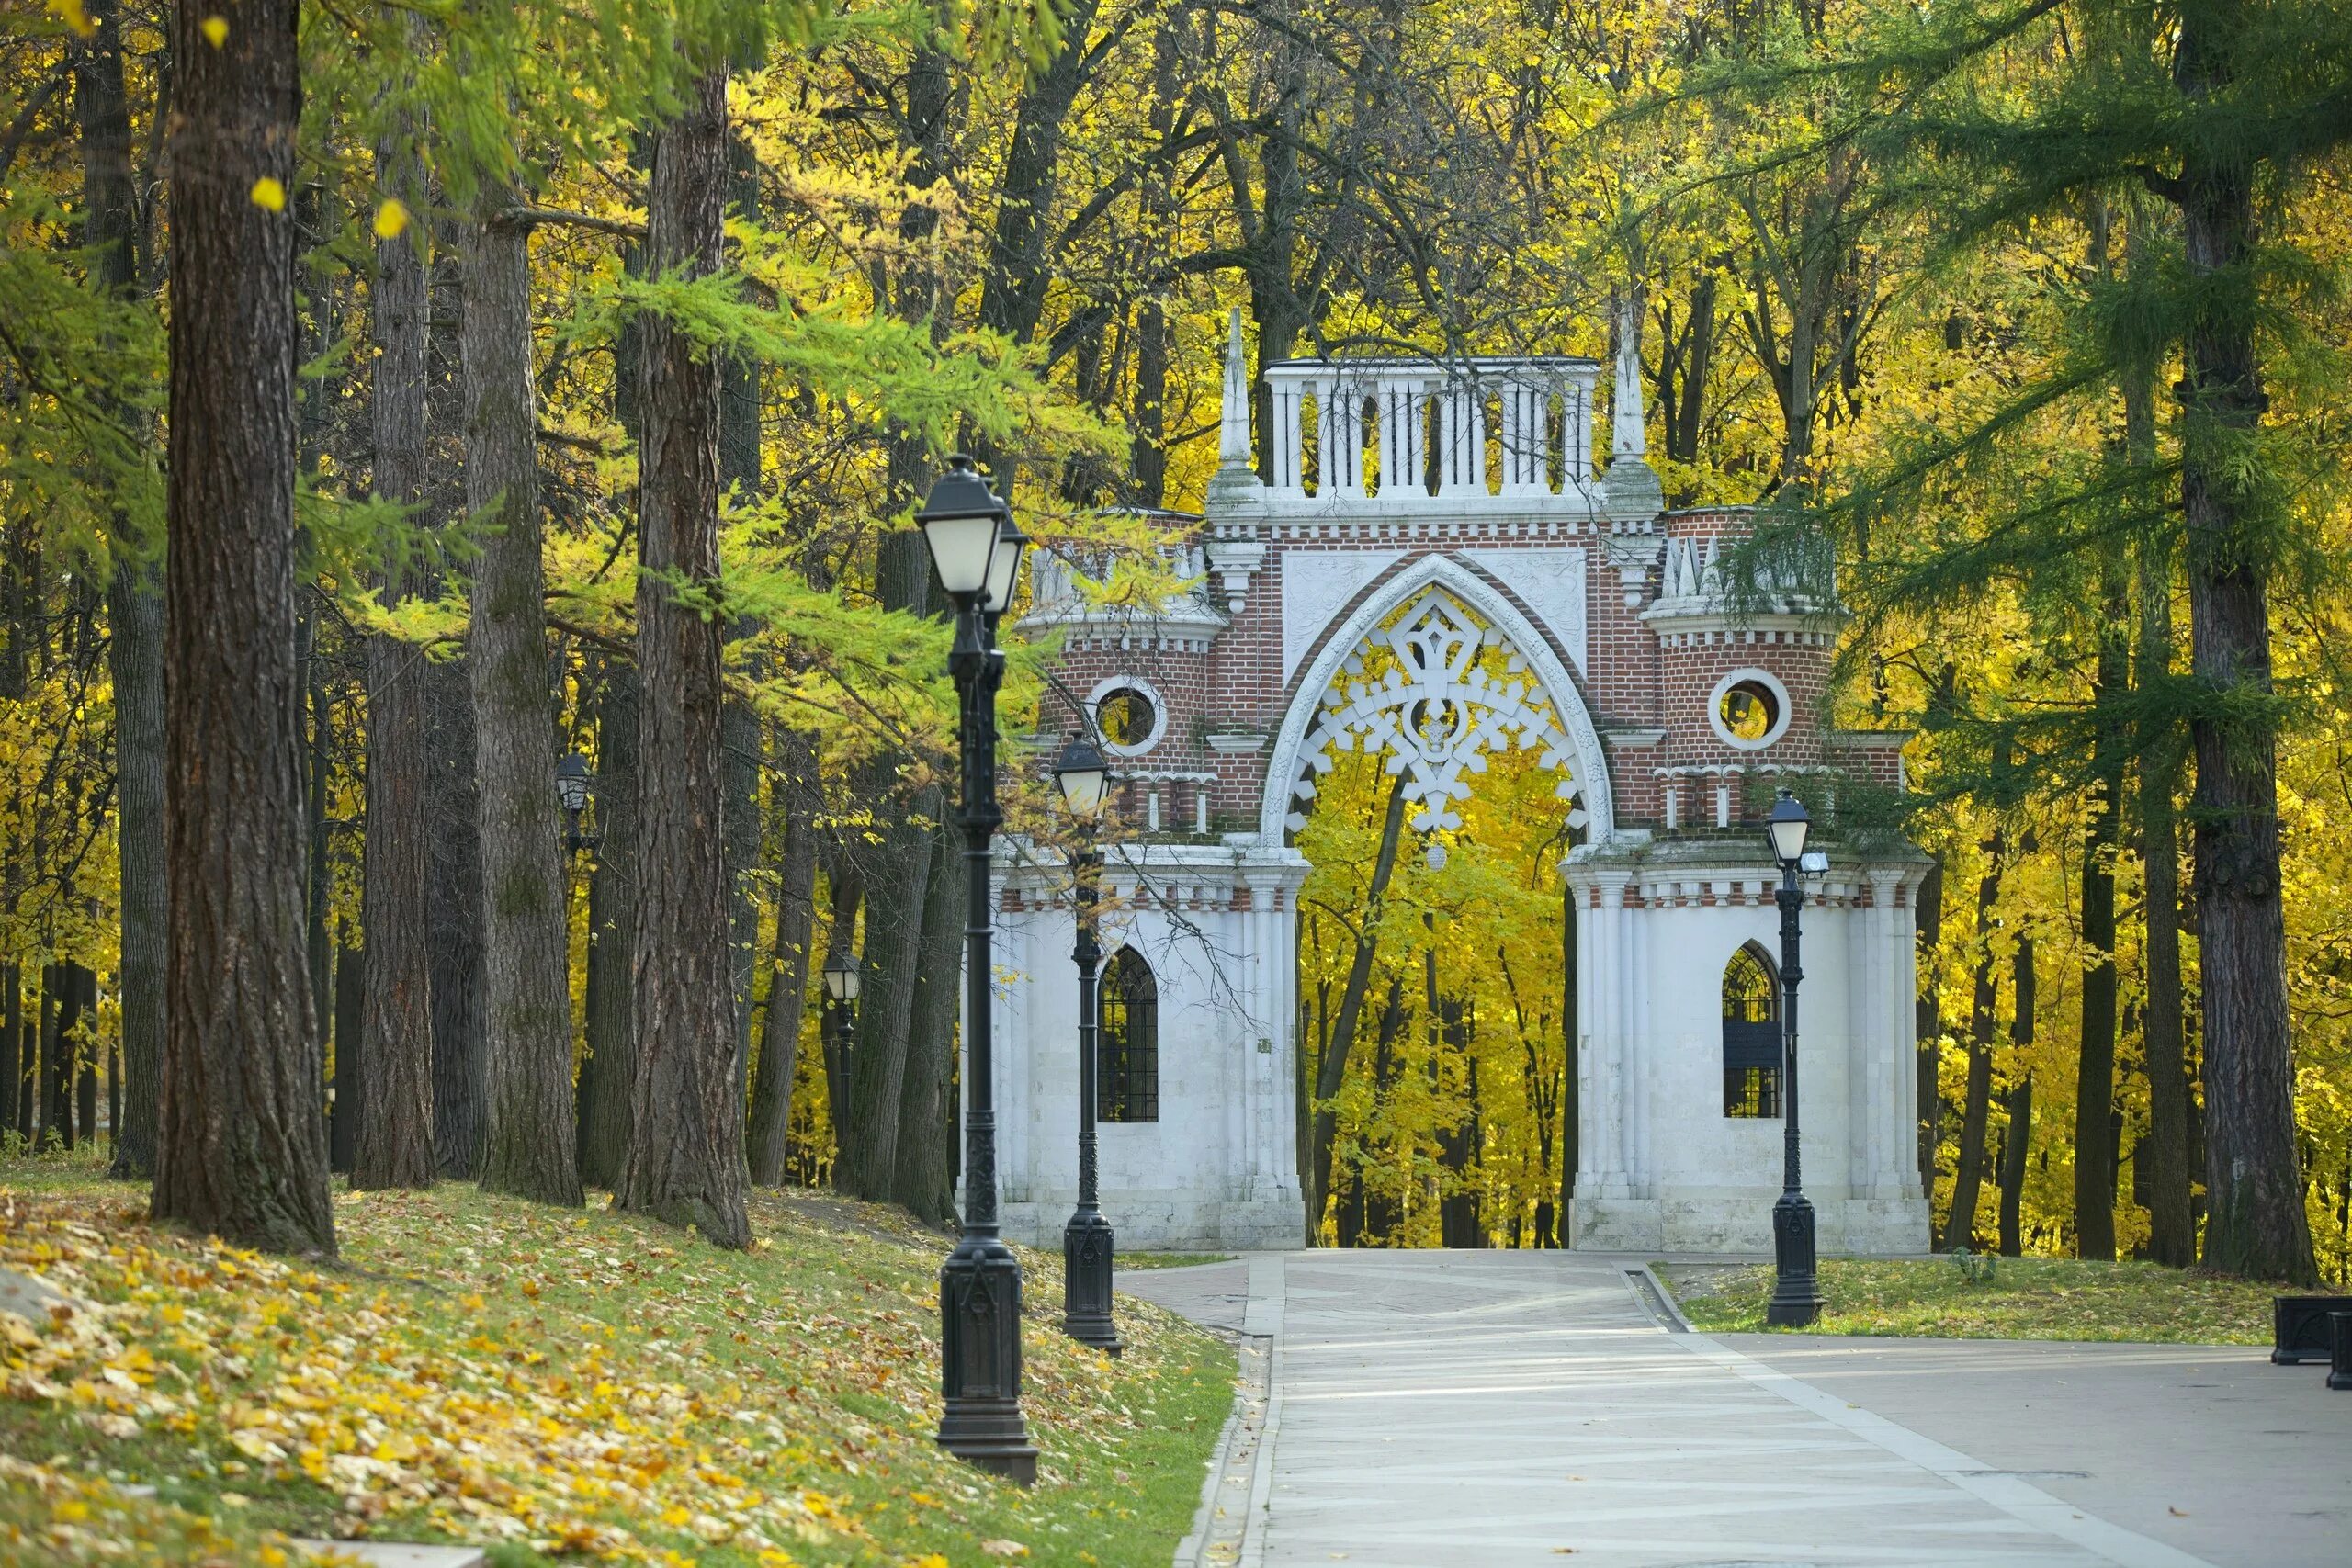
x=1433, y=1409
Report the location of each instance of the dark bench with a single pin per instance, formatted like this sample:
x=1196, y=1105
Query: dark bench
x=2299, y=1327
x=2339, y=1370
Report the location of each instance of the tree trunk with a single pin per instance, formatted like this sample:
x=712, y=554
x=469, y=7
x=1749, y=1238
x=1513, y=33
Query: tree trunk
x=608, y=1078
x=1927, y=1024
x=1968, y=1172
x=2016, y=1143
x=529, y=1126
x=241, y=1144
x=894, y=879
x=350, y=1056
x=686, y=1152
x=739, y=470
x=1154, y=334
x=16, y=1052
x=845, y=894
x=318, y=779
x=1333, y=1070
x=925, y=1178
x=2164, y=1157
x=894, y=903
x=2095, y=1165
x=795, y=793
x=58, y=1052
x=2255, y=1225
x=135, y=619
x=454, y=914
x=395, y=1144
x=85, y=1058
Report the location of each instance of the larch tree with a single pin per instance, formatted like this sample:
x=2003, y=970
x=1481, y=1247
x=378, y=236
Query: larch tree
x=134, y=615
x=395, y=1144
x=685, y=1158
x=529, y=1128
x=240, y=1147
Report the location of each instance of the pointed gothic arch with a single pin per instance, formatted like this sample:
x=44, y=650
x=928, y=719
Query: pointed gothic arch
x=1547, y=710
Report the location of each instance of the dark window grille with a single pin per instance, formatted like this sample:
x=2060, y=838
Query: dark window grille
x=1752, y=1044
x=1128, y=1064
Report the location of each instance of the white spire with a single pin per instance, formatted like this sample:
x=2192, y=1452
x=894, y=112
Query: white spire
x=1628, y=437
x=1631, y=493
x=1233, y=421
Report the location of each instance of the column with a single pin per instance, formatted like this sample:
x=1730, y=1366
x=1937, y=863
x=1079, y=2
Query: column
x=1902, y=1109
x=1287, y=469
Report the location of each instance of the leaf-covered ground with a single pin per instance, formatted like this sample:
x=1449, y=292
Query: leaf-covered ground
x=561, y=1384
x=2026, y=1298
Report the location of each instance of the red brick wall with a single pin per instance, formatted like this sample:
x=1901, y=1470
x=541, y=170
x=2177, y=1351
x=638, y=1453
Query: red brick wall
x=1632, y=679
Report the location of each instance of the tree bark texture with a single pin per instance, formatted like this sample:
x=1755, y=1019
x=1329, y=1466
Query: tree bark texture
x=895, y=890
x=241, y=1146
x=685, y=1153
x=2164, y=1157
x=135, y=618
x=2017, y=1142
x=2256, y=1224
x=395, y=1145
x=529, y=1119
x=924, y=1178
x=2015, y=1145
x=1927, y=1024
x=350, y=1055
x=2094, y=1164
x=1968, y=1170
x=844, y=895
x=454, y=914
x=794, y=792
x=739, y=470
x=608, y=1078
x=894, y=879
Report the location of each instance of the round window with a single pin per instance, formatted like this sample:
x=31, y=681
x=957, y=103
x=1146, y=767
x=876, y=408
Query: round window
x=1750, y=709
x=1128, y=719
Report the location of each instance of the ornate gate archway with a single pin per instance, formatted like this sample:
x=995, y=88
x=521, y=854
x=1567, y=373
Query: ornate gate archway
x=1446, y=712
x=1448, y=519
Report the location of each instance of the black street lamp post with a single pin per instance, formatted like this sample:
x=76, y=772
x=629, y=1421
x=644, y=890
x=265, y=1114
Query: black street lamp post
x=977, y=549
x=1088, y=1244
x=845, y=976
x=1797, y=1288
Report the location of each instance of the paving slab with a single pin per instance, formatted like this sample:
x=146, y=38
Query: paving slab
x=1432, y=1410
x=2209, y=1448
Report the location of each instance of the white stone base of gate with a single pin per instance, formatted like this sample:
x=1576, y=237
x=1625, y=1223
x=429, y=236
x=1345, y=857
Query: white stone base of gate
x=1845, y=1227
x=1166, y=1222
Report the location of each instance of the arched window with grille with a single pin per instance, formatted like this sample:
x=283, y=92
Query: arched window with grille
x=1126, y=1076
x=1751, y=1035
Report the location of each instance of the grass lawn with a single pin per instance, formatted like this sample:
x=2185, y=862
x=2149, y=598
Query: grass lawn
x=2026, y=1298
x=561, y=1385
x=1170, y=1259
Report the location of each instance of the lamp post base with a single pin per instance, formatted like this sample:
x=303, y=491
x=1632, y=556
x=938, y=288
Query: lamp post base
x=1796, y=1287
x=1088, y=1249
x=980, y=1314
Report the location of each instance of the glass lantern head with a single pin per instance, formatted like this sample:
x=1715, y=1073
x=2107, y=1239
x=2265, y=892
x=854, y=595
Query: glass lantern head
x=842, y=977
x=1787, y=825
x=960, y=521
x=1004, y=565
x=571, y=779
x=1082, y=774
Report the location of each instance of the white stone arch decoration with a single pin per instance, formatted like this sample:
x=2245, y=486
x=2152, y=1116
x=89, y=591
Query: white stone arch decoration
x=1548, y=711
